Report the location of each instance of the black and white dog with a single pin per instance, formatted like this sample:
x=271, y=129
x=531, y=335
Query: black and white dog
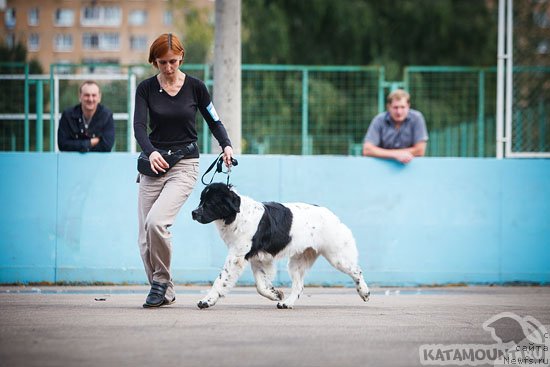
x=263, y=232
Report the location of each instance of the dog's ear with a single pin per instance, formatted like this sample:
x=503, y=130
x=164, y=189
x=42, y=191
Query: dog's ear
x=234, y=201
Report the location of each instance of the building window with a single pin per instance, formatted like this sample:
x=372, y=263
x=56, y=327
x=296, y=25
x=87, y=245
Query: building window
x=137, y=17
x=90, y=41
x=112, y=15
x=33, y=42
x=93, y=16
x=543, y=47
x=109, y=42
x=90, y=14
x=168, y=17
x=64, y=18
x=63, y=42
x=60, y=69
x=541, y=18
x=9, y=18
x=10, y=40
x=33, y=16
x=138, y=43
x=101, y=41
x=101, y=65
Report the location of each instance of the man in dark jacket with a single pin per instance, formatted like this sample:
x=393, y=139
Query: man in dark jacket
x=88, y=126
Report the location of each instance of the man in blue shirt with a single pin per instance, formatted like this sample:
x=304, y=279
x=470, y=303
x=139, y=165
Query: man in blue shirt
x=399, y=133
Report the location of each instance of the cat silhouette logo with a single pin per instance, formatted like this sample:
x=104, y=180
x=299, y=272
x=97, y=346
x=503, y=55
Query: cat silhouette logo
x=519, y=340
x=509, y=329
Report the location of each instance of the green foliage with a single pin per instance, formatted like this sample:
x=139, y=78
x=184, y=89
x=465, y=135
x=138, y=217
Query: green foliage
x=18, y=53
x=197, y=29
x=369, y=32
x=11, y=93
x=272, y=105
x=393, y=34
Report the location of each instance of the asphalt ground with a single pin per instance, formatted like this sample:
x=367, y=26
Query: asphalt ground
x=107, y=326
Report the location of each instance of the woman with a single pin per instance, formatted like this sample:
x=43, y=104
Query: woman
x=171, y=99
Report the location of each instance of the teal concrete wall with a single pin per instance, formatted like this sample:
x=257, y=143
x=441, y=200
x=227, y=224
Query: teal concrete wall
x=72, y=217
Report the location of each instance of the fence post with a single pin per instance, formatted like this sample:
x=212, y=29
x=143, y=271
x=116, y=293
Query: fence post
x=481, y=114
x=26, y=107
x=542, y=125
x=53, y=140
x=39, y=116
x=130, y=141
x=381, y=84
x=305, y=111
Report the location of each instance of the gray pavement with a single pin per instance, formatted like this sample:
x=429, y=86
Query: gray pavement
x=67, y=326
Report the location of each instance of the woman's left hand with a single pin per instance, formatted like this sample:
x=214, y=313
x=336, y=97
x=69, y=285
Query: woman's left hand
x=227, y=155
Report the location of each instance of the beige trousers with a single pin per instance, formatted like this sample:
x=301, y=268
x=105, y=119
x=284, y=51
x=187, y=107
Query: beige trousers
x=160, y=199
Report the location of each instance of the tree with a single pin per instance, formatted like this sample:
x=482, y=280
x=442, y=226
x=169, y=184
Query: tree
x=11, y=93
x=197, y=29
x=18, y=53
x=367, y=32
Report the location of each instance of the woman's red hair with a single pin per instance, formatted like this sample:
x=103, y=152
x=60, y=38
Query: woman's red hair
x=164, y=43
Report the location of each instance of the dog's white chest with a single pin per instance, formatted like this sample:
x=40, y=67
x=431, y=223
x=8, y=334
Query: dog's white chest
x=240, y=232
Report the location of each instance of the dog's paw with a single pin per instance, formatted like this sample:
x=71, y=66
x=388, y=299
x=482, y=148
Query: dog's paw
x=283, y=306
x=279, y=295
x=203, y=304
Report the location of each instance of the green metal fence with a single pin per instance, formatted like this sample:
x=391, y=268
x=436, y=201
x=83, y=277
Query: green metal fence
x=117, y=94
x=287, y=109
x=459, y=106
x=14, y=106
x=307, y=110
x=530, y=128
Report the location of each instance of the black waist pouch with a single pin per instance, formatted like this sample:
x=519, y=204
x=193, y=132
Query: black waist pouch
x=171, y=157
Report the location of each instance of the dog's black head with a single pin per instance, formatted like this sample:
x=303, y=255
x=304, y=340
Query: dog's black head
x=218, y=201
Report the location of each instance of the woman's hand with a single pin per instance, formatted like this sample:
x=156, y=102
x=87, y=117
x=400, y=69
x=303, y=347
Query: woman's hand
x=157, y=162
x=227, y=155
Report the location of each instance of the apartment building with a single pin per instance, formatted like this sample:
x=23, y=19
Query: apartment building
x=83, y=31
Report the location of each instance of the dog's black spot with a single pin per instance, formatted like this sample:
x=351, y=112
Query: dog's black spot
x=273, y=233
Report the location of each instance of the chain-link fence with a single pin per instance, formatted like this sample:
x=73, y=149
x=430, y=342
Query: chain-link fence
x=307, y=110
x=289, y=109
x=530, y=130
x=116, y=93
x=459, y=106
x=17, y=95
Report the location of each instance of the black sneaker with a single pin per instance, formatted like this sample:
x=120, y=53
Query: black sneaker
x=156, y=295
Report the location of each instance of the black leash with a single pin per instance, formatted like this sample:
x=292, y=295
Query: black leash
x=218, y=162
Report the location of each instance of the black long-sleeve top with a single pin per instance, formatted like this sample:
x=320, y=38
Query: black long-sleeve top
x=172, y=118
